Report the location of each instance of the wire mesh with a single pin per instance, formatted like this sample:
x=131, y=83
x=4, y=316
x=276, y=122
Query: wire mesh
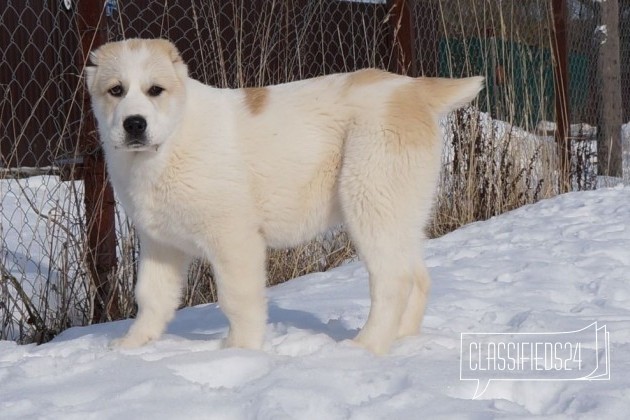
x=242, y=44
x=41, y=224
x=45, y=283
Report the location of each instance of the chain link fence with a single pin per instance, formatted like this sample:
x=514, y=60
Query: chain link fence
x=243, y=44
x=41, y=223
x=503, y=146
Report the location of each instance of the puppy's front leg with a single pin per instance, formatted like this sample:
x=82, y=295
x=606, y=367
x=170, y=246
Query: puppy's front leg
x=161, y=273
x=240, y=270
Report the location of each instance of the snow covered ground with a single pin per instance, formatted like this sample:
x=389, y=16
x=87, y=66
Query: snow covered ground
x=558, y=265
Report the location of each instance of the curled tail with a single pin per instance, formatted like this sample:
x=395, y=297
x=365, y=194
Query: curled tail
x=446, y=95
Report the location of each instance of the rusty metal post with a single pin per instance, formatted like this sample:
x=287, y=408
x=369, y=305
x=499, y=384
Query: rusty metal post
x=609, y=149
x=99, y=195
x=400, y=20
x=561, y=88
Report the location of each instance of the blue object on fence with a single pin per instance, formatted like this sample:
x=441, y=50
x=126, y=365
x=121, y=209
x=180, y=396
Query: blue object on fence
x=110, y=6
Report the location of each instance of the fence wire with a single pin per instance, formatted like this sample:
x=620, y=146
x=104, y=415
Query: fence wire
x=41, y=228
x=240, y=44
x=46, y=286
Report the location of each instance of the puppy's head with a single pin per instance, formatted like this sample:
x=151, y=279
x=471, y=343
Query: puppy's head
x=137, y=88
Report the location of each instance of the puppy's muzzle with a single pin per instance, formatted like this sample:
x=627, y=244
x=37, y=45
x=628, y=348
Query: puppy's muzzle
x=135, y=126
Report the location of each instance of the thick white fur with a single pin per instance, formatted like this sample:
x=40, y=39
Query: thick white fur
x=235, y=171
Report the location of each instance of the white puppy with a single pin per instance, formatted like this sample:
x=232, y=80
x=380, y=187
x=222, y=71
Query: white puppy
x=224, y=173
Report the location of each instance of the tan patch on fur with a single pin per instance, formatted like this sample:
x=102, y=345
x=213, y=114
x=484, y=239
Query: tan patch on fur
x=370, y=76
x=112, y=50
x=166, y=47
x=256, y=99
x=414, y=107
x=367, y=77
x=409, y=113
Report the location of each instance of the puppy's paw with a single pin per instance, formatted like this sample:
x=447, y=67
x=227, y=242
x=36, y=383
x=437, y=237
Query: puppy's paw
x=251, y=342
x=130, y=341
x=378, y=347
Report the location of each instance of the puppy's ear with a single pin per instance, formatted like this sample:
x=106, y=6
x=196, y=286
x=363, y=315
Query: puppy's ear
x=90, y=75
x=94, y=57
x=90, y=71
x=174, y=53
x=180, y=67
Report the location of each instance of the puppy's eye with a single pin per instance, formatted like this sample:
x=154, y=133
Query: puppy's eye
x=116, y=91
x=155, y=90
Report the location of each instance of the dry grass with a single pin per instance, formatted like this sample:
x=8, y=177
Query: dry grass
x=489, y=168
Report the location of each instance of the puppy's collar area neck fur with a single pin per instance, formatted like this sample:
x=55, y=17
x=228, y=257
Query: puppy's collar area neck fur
x=147, y=148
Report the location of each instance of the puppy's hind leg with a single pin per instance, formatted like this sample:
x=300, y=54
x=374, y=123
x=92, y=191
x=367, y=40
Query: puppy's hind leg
x=380, y=190
x=416, y=303
x=158, y=292
x=371, y=218
x=390, y=286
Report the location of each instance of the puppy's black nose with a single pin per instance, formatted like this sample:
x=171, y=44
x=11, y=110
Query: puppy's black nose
x=135, y=125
